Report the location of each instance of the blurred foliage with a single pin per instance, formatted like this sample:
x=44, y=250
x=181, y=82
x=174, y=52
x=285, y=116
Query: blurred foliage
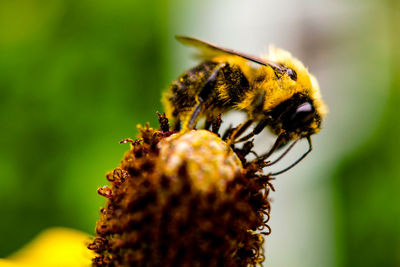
x=75, y=78
x=367, y=183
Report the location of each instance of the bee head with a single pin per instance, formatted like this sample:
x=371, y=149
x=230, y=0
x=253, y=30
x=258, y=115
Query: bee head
x=294, y=103
x=297, y=117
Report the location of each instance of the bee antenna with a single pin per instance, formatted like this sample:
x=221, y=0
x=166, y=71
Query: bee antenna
x=297, y=161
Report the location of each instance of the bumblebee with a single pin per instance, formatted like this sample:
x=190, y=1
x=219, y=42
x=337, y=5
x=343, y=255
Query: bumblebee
x=276, y=91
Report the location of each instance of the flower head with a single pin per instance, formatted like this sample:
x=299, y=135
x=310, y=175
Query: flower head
x=183, y=199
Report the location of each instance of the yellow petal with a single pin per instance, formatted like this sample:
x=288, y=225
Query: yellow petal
x=53, y=247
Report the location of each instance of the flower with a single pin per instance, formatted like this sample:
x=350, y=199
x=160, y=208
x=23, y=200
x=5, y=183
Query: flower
x=183, y=199
x=53, y=247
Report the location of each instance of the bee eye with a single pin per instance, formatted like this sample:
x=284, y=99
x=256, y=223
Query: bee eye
x=292, y=74
x=303, y=113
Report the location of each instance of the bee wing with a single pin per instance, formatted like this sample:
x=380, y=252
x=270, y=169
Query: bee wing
x=208, y=50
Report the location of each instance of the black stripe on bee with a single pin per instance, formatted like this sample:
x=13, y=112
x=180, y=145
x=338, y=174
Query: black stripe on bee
x=237, y=84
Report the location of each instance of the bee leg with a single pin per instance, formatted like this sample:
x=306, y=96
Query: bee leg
x=177, y=126
x=216, y=124
x=205, y=91
x=283, y=154
x=239, y=131
x=194, y=116
x=258, y=105
x=209, y=121
x=227, y=132
x=278, y=142
x=259, y=127
x=298, y=160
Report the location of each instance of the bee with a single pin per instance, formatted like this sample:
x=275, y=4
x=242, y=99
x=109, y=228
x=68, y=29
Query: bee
x=276, y=91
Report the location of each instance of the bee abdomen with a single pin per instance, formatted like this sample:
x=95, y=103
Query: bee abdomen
x=182, y=93
x=230, y=88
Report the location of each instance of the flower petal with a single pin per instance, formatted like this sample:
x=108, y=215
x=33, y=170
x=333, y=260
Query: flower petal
x=53, y=247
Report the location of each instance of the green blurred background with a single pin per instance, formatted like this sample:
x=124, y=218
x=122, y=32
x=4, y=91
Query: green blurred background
x=77, y=76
